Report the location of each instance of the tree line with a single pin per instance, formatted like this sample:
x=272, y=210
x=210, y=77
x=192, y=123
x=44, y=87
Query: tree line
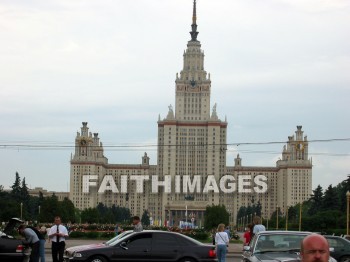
x=324, y=211
x=39, y=209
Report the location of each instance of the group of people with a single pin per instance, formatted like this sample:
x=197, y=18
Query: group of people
x=313, y=247
x=252, y=229
x=222, y=237
x=35, y=239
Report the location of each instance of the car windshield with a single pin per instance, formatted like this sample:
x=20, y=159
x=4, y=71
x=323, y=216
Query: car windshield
x=278, y=243
x=117, y=238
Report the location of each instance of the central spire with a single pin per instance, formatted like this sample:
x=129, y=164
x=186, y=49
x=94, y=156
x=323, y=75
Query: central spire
x=194, y=32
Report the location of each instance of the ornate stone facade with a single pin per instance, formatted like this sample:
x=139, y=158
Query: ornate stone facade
x=192, y=141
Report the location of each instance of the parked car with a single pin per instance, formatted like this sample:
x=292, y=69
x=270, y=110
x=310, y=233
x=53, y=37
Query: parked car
x=12, y=249
x=275, y=246
x=340, y=246
x=109, y=243
x=150, y=245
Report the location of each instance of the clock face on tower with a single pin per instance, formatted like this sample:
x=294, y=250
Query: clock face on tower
x=83, y=142
x=299, y=146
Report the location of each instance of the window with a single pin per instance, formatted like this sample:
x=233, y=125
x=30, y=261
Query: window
x=164, y=240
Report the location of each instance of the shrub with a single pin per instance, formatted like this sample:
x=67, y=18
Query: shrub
x=77, y=234
x=92, y=234
x=107, y=234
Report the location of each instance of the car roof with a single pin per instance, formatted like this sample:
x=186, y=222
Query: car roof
x=331, y=236
x=281, y=232
x=164, y=232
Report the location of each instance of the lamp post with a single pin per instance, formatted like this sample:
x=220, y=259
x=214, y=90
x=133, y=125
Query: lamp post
x=347, y=212
x=21, y=210
x=276, y=217
x=267, y=223
x=287, y=218
x=39, y=213
x=300, y=208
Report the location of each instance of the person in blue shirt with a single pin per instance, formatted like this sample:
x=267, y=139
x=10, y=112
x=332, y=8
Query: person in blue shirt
x=32, y=240
x=227, y=230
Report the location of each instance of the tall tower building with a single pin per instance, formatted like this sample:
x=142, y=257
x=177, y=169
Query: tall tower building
x=191, y=140
x=192, y=144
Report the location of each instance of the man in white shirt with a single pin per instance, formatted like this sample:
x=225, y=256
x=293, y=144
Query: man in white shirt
x=137, y=224
x=57, y=235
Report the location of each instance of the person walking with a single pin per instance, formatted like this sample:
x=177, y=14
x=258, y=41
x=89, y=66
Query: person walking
x=247, y=235
x=116, y=230
x=57, y=235
x=228, y=232
x=257, y=225
x=137, y=224
x=32, y=240
x=221, y=240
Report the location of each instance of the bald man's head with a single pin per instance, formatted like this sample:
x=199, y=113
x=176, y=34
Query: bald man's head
x=314, y=248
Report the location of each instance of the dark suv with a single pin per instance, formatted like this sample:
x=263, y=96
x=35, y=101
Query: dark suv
x=12, y=249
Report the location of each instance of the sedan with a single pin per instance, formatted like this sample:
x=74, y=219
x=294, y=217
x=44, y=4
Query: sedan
x=274, y=246
x=151, y=245
x=12, y=249
x=340, y=248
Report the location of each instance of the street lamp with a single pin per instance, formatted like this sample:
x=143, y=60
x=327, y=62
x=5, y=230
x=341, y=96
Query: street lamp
x=300, y=208
x=276, y=217
x=267, y=223
x=347, y=212
x=287, y=218
x=21, y=210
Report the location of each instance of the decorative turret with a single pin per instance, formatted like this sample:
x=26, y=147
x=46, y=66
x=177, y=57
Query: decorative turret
x=238, y=161
x=145, y=160
x=87, y=146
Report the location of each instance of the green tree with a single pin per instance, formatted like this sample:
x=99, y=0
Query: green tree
x=16, y=188
x=145, y=218
x=25, y=199
x=49, y=209
x=293, y=214
x=32, y=208
x=215, y=215
x=90, y=215
x=316, y=200
x=24, y=191
x=67, y=210
x=9, y=207
x=331, y=199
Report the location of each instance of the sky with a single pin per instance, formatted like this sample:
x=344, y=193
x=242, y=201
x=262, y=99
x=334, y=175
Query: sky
x=274, y=64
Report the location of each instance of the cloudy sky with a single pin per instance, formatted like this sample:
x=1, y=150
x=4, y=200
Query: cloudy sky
x=274, y=64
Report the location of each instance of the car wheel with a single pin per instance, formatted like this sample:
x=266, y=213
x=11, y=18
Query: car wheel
x=186, y=259
x=98, y=259
x=345, y=259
